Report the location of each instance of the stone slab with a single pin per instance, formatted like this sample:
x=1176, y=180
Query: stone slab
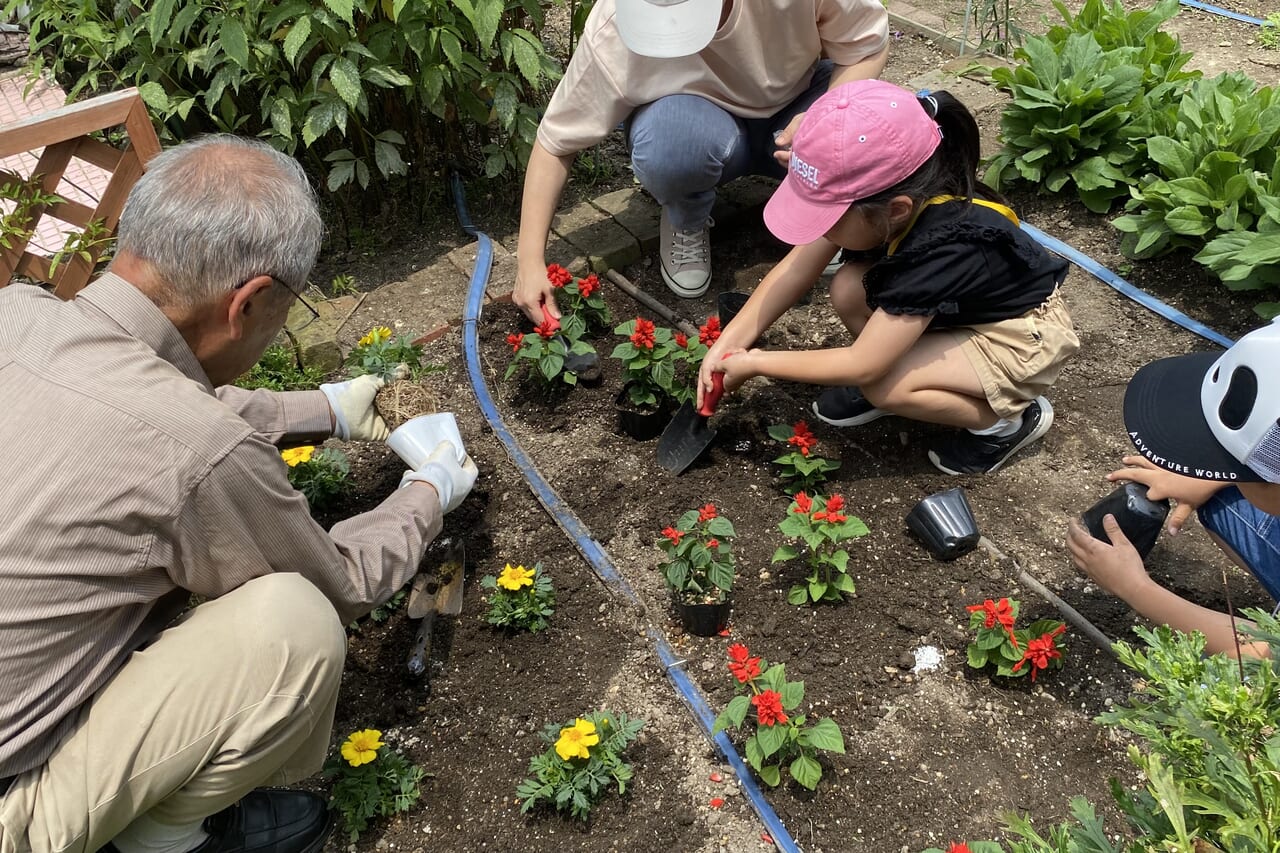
x=502, y=272
x=594, y=234
x=316, y=341
x=636, y=211
x=432, y=297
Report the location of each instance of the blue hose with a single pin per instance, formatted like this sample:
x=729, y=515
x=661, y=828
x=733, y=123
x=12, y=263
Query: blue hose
x=1226, y=13
x=1146, y=300
x=578, y=533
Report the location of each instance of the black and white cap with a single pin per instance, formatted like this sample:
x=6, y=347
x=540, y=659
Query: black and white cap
x=1211, y=416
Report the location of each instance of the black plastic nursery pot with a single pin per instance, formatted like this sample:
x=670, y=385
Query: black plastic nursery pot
x=704, y=620
x=728, y=304
x=945, y=524
x=1139, y=517
x=640, y=424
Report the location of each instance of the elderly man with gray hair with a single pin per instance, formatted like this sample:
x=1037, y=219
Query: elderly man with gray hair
x=136, y=477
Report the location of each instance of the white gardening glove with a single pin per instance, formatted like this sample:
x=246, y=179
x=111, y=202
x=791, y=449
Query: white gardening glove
x=451, y=478
x=354, y=415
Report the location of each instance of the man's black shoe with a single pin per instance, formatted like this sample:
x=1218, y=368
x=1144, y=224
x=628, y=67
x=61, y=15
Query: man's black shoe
x=966, y=453
x=846, y=407
x=270, y=820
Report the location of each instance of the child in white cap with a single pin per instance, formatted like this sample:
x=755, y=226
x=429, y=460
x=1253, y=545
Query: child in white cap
x=1207, y=430
x=955, y=311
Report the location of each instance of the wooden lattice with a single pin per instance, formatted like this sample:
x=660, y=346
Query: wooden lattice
x=64, y=134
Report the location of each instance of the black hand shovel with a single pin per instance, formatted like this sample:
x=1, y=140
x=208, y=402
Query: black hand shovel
x=689, y=434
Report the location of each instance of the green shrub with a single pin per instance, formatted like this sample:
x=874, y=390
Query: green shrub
x=363, y=88
x=278, y=370
x=1205, y=151
x=1083, y=97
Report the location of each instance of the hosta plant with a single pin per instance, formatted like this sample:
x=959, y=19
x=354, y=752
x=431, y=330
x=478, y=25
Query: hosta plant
x=780, y=737
x=821, y=527
x=582, y=762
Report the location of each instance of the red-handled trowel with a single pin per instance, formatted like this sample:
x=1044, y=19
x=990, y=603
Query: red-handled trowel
x=689, y=433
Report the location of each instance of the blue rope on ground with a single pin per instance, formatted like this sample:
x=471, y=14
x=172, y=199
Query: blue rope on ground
x=1146, y=300
x=1226, y=13
x=578, y=533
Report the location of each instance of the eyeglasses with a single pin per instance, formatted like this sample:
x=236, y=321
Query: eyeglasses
x=290, y=327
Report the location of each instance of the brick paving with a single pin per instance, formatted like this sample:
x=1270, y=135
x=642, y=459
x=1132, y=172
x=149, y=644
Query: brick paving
x=82, y=182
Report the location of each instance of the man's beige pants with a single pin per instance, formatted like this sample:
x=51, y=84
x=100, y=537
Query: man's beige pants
x=237, y=694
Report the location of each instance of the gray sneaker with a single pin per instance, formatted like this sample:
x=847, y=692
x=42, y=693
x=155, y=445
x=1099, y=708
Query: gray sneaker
x=686, y=259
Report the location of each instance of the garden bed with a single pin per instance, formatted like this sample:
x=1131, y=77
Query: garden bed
x=931, y=756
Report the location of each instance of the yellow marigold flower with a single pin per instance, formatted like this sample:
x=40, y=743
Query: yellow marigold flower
x=376, y=335
x=575, y=739
x=297, y=455
x=362, y=747
x=513, y=579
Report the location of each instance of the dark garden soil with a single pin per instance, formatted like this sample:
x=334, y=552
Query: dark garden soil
x=931, y=756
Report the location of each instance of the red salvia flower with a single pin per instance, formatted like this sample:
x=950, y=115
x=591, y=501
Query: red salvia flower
x=1001, y=612
x=515, y=341
x=769, y=707
x=803, y=438
x=803, y=503
x=832, y=513
x=588, y=285
x=674, y=535
x=707, y=513
x=713, y=543
x=642, y=337
x=738, y=652
x=746, y=670
x=545, y=330
x=558, y=275
x=709, y=332
x=682, y=340
x=958, y=847
x=1040, y=651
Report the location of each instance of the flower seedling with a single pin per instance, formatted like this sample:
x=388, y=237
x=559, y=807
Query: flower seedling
x=582, y=761
x=1014, y=651
x=781, y=736
x=371, y=780
x=969, y=847
x=647, y=366
x=279, y=370
x=545, y=350
x=379, y=352
x=801, y=468
x=821, y=526
x=579, y=298
x=697, y=558
x=320, y=476
x=521, y=599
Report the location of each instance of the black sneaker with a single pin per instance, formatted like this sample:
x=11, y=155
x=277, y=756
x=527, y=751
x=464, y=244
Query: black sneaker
x=966, y=453
x=846, y=407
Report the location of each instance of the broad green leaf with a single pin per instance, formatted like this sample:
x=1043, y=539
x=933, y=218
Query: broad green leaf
x=346, y=82
x=281, y=118
x=798, y=595
x=977, y=656
x=734, y=714
x=234, y=41
x=721, y=527
x=806, y=771
x=844, y=583
x=817, y=589
x=344, y=9
x=792, y=694
x=752, y=749
x=1188, y=220
x=296, y=38
x=770, y=775
x=387, y=156
x=785, y=552
x=154, y=96
x=825, y=735
x=771, y=738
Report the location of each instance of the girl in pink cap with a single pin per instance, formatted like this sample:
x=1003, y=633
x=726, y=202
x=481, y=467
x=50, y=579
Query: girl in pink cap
x=955, y=312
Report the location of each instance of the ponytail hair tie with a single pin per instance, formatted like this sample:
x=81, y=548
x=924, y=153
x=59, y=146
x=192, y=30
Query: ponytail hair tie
x=929, y=99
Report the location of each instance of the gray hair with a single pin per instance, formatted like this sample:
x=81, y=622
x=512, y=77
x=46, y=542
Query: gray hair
x=212, y=213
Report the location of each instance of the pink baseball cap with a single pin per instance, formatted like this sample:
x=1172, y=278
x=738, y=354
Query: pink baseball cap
x=855, y=141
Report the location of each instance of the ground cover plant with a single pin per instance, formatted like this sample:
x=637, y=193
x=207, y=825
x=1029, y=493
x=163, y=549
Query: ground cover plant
x=279, y=370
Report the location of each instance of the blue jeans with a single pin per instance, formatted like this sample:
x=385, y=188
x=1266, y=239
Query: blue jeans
x=1250, y=532
x=684, y=146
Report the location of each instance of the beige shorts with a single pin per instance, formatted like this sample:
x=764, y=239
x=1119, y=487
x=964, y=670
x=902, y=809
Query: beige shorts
x=1017, y=360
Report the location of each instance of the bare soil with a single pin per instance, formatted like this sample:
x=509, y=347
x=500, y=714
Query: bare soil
x=931, y=757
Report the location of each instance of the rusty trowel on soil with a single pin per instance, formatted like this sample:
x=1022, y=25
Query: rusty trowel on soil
x=432, y=596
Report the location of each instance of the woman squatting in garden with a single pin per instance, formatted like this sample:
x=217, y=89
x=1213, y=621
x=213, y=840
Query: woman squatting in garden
x=955, y=312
